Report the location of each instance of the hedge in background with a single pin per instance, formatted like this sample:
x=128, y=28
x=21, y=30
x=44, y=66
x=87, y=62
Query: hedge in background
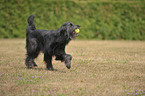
x=113, y=19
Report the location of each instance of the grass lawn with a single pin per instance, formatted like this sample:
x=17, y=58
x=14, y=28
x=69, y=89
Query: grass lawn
x=99, y=68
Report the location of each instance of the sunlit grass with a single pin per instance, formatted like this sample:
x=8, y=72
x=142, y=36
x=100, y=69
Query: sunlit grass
x=99, y=68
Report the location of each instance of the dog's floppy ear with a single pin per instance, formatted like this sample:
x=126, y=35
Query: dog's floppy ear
x=64, y=30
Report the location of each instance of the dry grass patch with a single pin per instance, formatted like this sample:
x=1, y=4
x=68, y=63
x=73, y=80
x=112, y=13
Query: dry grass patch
x=99, y=68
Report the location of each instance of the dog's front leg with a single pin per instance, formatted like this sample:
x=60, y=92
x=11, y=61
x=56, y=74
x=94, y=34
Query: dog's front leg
x=67, y=59
x=48, y=60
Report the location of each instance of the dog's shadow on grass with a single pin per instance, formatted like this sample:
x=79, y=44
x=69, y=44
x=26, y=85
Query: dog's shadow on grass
x=56, y=70
x=42, y=69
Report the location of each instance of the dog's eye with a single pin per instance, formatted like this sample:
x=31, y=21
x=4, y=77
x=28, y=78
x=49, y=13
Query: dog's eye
x=71, y=24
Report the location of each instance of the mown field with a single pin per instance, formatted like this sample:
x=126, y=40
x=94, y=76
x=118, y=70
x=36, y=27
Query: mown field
x=99, y=68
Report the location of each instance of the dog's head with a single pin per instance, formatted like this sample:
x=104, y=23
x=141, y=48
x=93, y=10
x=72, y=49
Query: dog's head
x=68, y=29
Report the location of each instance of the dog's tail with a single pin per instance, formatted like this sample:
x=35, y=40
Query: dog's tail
x=31, y=26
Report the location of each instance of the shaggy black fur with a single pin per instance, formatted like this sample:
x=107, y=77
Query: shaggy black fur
x=50, y=42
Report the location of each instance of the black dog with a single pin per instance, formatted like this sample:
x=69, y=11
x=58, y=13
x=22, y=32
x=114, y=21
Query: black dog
x=50, y=42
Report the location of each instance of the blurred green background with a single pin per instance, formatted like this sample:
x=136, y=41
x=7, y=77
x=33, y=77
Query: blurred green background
x=99, y=19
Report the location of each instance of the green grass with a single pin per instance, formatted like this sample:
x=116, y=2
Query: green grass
x=99, y=19
x=99, y=68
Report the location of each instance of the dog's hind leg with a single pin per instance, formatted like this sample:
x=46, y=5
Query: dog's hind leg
x=48, y=60
x=32, y=52
x=30, y=60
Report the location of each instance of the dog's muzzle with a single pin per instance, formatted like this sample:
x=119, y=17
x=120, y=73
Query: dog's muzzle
x=75, y=34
